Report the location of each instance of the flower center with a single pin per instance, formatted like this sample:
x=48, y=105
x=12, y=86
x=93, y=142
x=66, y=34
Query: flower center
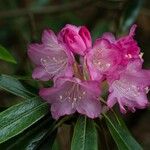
x=54, y=64
x=72, y=94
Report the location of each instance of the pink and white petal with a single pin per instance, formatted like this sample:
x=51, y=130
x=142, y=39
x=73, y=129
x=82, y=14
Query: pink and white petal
x=109, y=36
x=49, y=94
x=92, y=86
x=132, y=30
x=49, y=38
x=39, y=73
x=112, y=100
x=90, y=107
x=60, y=109
x=93, y=72
x=102, y=44
x=36, y=52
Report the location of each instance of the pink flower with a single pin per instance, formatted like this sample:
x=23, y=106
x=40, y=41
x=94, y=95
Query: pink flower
x=102, y=59
x=77, y=39
x=127, y=45
x=51, y=58
x=70, y=95
x=131, y=88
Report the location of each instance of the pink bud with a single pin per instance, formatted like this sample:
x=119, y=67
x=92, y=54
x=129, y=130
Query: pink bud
x=85, y=34
x=74, y=42
x=77, y=39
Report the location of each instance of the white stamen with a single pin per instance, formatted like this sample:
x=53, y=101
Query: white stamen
x=74, y=98
x=129, y=56
x=141, y=55
x=83, y=93
x=147, y=89
x=80, y=97
x=60, y=97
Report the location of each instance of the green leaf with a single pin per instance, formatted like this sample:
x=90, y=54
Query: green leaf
x=29, y=139
x=6, y=56
x=85, y=135
x=56, y=145
x=121, y=136
x=19, y=117
x=130, y=14
x=14, y=86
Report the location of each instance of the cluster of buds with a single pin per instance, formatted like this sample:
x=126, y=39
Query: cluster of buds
x=79, y=68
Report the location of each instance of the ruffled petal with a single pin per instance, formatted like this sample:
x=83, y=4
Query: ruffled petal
x=109, y=36
x=36, y=52
x=40, y=74
x=61, y=109
x=103, y=59
x=90, y=107
x=131, y=88
x=49, y=38
x=55, y=59
x=71, y=94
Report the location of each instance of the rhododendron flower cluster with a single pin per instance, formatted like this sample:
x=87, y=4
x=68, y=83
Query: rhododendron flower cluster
x=79, y=69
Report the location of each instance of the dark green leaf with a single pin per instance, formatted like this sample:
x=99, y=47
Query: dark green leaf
x=123, y=138
x=85, y=135
x=56, y=145
x=130, y=14
x=14, y=86
x=19, y=117
x=6, y=56
x=30, y=138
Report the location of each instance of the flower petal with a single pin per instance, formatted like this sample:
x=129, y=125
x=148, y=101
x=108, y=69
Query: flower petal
x=61, y=109
x=55, y=59
x=131, y=88
x=103, y=59
x=85, y=34
x=109, y=36
x=72, y=95
x=40, y=74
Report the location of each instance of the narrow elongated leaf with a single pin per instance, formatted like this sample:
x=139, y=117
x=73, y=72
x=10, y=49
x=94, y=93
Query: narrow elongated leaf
x=85, y=135
x=130, y=14
x=14, y=86
x=29, y=139
x=123, y=138
x=6, y=56
x=19, y=117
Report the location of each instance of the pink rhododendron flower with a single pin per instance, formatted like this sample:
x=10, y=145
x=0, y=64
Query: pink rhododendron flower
x=102, y=59
x=51, y=58
x=70, y=95
x=131, y=88
x=127, y=45
x=77, y=39
x=115, y=62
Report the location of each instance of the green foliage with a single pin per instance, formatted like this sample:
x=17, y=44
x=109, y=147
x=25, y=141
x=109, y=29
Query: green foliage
x=122, y=137
x=85, y=135
x=14, y=86
x=30, y=138
x=19, y=117
x=6, y=56
x=130, y=14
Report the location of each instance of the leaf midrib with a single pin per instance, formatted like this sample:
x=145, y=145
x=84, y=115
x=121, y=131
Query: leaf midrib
x=117, y=132
x=23, y=114
x=84, y=133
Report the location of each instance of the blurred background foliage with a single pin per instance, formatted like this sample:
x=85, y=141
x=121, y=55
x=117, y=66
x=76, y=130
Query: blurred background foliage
x=22, y=22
